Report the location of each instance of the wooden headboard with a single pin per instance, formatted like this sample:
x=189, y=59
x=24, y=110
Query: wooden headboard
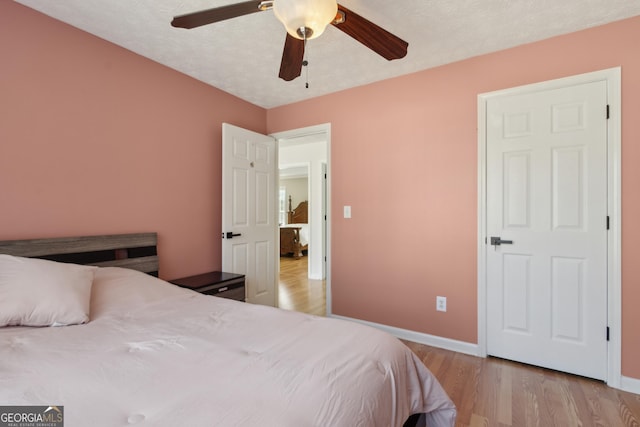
x=135, y=251
x=299, y=215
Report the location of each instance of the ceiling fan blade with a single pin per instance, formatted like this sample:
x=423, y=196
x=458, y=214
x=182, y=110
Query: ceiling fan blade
x=209, y=16
x=292, y=57
x=369, y=34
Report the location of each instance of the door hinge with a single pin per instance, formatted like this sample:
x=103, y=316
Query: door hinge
x=608, y=112
x=607, y=333
x=607, y=222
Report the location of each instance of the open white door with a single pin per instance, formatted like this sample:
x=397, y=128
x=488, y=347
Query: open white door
x=249, y=211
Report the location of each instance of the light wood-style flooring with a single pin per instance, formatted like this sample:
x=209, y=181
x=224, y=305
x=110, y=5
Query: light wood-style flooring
x=296, y=291
x=491, y=392
x=496, y=392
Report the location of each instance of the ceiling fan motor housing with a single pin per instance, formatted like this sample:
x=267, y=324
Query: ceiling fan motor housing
x=305, y=19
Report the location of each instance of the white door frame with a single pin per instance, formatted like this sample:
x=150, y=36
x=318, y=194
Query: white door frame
x=324, y=129
x=614, y=291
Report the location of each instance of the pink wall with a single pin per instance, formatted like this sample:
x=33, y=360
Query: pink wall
x=404, y=156
x=96, y=140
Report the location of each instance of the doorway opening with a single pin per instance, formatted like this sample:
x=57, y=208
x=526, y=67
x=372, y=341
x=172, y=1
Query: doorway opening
x=303, y=279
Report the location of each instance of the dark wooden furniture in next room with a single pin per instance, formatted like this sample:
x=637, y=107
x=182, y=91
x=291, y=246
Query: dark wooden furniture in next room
x=291, y=241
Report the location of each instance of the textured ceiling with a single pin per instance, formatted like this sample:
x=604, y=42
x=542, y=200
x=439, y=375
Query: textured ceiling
x=242, y=56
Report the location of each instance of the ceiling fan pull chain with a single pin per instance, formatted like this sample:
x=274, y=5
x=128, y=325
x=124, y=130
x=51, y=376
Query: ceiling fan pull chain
x=306, y=74
x=305, y=63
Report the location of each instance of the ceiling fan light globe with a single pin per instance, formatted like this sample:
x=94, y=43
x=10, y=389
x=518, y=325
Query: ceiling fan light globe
x=313, y=15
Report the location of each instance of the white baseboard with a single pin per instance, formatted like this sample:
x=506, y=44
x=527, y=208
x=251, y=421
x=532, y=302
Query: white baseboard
x=419, y=337
x=629, y=384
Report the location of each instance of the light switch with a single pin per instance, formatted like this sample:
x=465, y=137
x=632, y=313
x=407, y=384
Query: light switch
x=347, y=211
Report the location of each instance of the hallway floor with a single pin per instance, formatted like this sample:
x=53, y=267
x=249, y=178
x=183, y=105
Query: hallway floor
x=298, y=292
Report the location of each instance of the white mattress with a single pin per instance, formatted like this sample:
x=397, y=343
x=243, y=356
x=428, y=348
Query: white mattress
x=158, y=355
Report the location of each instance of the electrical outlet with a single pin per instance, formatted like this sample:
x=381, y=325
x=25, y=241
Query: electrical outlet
x=441, y=303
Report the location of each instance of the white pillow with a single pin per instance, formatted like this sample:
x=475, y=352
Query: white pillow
x=36, y=292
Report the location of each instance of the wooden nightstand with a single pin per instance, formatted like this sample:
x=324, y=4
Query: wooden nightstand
x=218, y=283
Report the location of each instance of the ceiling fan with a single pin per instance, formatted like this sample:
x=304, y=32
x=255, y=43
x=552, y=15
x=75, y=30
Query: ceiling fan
x=304, y=20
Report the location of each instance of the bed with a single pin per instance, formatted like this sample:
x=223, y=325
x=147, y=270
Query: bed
x=294, y=236
x=151, y=353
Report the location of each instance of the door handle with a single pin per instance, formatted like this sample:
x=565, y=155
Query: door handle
x=230, y=235
x=497, y=241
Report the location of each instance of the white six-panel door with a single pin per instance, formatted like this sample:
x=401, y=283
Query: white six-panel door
x=249, y=168
x=547, y=193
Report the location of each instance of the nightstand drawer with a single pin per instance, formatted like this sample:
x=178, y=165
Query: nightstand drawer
x=232, y=291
